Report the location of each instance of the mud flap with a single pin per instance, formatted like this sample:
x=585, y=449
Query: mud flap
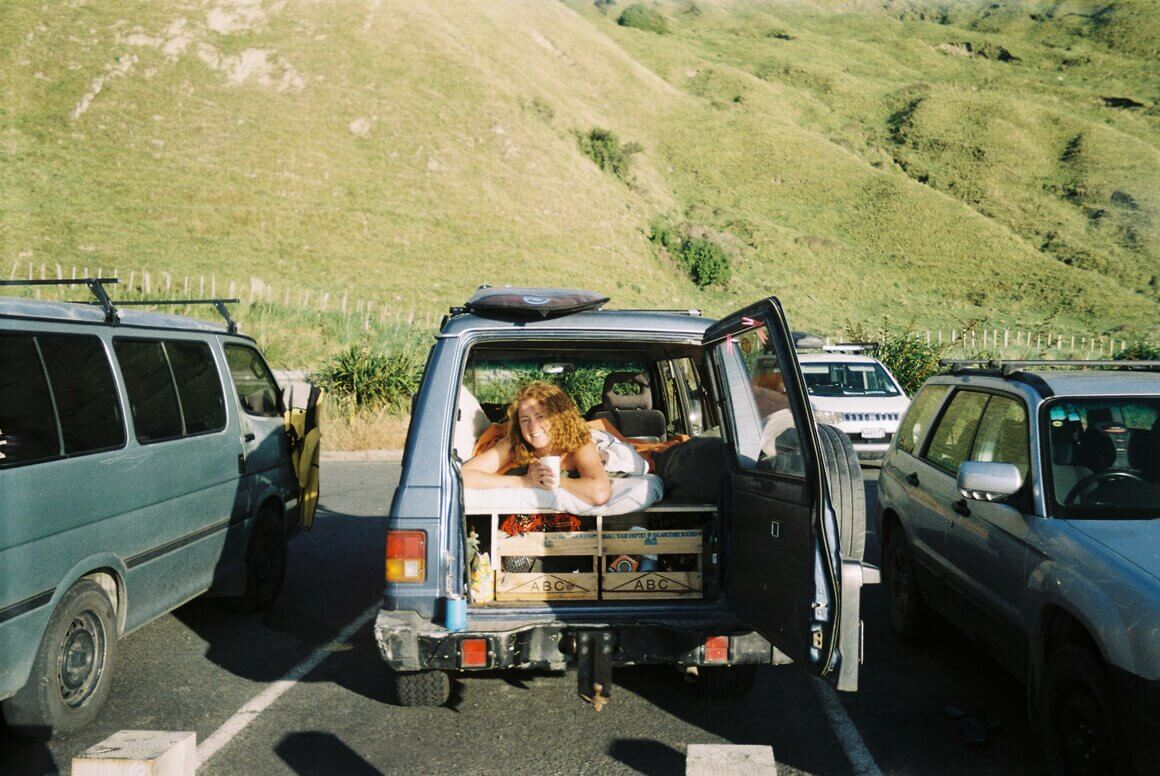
x=594, y=667
x=302, y=422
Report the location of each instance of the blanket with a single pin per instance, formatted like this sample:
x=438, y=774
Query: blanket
x=629, y=494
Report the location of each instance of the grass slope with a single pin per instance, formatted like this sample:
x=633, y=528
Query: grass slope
x=856, y=158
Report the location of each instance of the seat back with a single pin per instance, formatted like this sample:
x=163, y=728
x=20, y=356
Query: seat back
x=631, y=413
x=470, y=422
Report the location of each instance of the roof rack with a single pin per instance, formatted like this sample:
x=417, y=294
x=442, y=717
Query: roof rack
x=1007, y=368
x=851, y=347
x=110, y=308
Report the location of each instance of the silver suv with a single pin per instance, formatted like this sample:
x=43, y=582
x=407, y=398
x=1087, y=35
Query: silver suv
x=1024, y=506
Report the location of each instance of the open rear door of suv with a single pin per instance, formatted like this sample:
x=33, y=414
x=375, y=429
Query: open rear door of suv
x=783, y=573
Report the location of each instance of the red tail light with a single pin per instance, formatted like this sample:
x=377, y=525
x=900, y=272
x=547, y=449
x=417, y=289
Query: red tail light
x=717, y=649
x=406, y=556
x=473, y=653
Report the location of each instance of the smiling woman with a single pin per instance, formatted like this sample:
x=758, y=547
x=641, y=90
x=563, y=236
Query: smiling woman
x=547, y=435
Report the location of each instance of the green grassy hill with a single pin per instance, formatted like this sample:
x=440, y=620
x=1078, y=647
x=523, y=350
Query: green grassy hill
x=945, y=162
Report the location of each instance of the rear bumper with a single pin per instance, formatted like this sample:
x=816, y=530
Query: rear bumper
x=407, y=642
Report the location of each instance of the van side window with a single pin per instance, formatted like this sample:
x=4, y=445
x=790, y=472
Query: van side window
x=198, y=386
x=919, y=416
x=84, y=393
x=955, y=431
x=152, y=394
x=27, y=425
x=257, y=390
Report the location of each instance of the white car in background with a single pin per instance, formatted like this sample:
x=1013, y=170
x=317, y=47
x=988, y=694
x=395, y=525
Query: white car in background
x=857, y=394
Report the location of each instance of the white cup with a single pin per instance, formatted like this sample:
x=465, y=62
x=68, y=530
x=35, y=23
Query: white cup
x=553, y=463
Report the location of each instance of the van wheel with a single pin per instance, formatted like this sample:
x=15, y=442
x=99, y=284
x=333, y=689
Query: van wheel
x=847, y=493
x=422, y=688
x=265, y=562
x=726, y=681
x=1078, y=725
x=73, y=670
x=908, y=612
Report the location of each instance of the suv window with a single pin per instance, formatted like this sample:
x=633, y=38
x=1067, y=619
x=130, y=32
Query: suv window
x=152, y=393
x=919, y=416
x=952, y=437
x=764, y=432
x=27, y=423
x=1002, y=435
x=257, y=389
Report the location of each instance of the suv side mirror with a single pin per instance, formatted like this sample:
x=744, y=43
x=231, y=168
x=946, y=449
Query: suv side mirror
x=988, y=481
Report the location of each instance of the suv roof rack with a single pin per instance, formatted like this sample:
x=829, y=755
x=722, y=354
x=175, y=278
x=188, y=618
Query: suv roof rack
x=110, y=308
x=1009, y=367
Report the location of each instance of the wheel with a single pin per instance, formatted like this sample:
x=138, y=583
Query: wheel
x=422, y=688
x=1077, y=721
x=265, y=562
x=73, y=669
x=908, y=612
x=726, y=681
x=847, y=493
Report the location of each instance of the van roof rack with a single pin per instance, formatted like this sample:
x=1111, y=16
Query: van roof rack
x=97, y=287
x=1010, y=367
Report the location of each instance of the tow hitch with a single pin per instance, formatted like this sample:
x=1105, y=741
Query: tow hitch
x=594, y=666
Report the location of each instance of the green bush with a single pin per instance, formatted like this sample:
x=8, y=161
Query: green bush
x=604, y=147
x=643, y=18
x=705, y=261
x=1139, y=351
x=365, y=379
x=663, y=233
x=909, y=358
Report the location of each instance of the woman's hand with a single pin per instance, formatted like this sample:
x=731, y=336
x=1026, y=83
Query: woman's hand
x=541, y=476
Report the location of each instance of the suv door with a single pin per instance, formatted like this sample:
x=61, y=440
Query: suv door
x=782, y=568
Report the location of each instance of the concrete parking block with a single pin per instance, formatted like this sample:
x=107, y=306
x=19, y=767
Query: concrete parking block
x=140, y=753
x=729, y=760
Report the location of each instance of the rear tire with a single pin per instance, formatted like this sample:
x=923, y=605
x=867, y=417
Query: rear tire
x=907, y=610
x=73, y=670
x=1078, y=722
x=266, y=559
x=847, y=493
x=726, y=681
x=422, y=688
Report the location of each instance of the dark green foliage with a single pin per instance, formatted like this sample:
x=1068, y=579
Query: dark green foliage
x=644, y=18
x=1139, y=351
x=373, y=380
x=663, y=233
x=910, y=359
x=705, y=261
x=604, y=147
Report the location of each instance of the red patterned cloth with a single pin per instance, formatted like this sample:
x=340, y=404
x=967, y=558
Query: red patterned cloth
x=514, y=525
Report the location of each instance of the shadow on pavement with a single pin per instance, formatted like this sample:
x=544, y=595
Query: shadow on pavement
x=312, y=752
x=651, y=758
x=19, y=757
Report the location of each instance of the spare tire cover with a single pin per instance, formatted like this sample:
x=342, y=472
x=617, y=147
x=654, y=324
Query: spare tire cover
x=847, y=493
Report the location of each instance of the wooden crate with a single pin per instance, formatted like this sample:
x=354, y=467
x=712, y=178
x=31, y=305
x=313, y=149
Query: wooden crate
x=650, y=584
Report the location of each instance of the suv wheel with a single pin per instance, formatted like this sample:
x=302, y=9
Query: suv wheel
x=422, y=688
x=1079, y=729
x=73, y=670
x=265, y=562
x=904, y=602
x=726, y=681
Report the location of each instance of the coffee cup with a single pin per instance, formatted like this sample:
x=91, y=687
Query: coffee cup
x=553, y=463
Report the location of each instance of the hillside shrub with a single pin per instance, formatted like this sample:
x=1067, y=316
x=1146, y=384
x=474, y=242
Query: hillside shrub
x=644, y=18
x=705, y=261
x=362, y=378
x=604, y=147
x=909, y=358
x=1139, y=351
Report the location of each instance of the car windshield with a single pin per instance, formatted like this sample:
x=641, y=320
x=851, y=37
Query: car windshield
x=1103, y=457
x=842, y=378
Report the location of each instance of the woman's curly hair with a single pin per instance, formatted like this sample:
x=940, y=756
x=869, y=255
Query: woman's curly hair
x=569, y=432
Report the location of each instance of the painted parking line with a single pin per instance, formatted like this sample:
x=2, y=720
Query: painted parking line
x=861, y=762
x=260, y=702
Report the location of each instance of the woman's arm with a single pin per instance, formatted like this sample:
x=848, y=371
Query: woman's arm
x=483, y=471
x=593, y=485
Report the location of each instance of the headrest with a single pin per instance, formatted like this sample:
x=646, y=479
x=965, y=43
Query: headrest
x=1144, y=453
x=641, y=400
x=1096, y=450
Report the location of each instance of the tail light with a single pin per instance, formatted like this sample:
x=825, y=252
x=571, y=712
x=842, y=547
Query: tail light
x=406, y=556
x=717, y=649
x=473, y=653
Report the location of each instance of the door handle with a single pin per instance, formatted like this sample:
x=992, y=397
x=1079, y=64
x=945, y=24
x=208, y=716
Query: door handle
x=912, y=478
x=961, y=507
x=249, y=437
